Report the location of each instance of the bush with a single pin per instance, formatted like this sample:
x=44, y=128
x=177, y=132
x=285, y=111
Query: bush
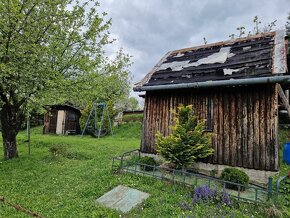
x=131, y=161
x=188, y=141
x=61, y=150
x=147, y=161
x=58, y=150
x=236, y=176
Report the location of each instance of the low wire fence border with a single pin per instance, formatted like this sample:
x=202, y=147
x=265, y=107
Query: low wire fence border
x=137, y=168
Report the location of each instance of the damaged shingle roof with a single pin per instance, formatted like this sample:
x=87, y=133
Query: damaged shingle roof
x=250, y=57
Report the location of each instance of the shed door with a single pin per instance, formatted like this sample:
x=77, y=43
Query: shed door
x=53, y=120
x=71, y=121
x=60, y=122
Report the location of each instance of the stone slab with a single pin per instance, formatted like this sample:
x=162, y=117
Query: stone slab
x=122, y=198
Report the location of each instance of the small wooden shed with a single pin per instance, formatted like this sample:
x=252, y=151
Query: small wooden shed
x=61, y=119
x=234, y=85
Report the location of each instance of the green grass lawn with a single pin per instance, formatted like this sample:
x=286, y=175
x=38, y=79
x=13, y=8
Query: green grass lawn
x=68, y=185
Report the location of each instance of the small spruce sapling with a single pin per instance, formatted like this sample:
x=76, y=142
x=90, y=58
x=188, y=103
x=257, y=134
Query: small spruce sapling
x=188, y=140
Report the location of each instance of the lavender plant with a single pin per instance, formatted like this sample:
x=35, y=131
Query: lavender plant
x=204, y=194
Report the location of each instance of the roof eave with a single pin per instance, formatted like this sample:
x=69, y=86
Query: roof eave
x=219, y=83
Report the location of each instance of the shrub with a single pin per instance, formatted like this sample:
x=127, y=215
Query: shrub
x=273, y=211
x=147, y=161
x=188, y=140
x=61, y=150
x=236, y=176
x=58, y=150
x=131, y=161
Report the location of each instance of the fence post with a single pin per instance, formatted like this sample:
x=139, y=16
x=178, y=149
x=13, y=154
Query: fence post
x=270, y=186
x=135, y=168
x=122, y=162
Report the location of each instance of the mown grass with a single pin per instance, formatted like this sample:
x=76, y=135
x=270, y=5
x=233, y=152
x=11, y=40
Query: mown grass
x=68, y=185
x=284, y=136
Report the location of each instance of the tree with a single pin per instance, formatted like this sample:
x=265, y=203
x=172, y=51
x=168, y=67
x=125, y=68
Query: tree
x=188, y=140
x=47, y=47
x=128, y=104
x=288, y=25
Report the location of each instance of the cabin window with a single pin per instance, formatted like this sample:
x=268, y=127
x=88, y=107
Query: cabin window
x=71, y=116
x=209, y=115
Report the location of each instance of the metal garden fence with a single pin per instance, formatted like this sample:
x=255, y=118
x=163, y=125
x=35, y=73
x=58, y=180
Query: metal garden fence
x=243, y=192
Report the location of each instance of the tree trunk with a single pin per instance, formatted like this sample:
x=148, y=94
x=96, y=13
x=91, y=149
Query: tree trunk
x=11, y=119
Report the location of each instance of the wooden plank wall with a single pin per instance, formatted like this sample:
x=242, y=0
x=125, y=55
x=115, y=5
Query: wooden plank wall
x=245, y=122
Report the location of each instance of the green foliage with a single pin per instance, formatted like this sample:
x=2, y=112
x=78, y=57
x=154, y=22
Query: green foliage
x=61, y=150
x=75, y=184
x=236, y=176
x=132, y=118
x=130, y=130
x=288, y=25
x=87, y=109
x=48, y=46
x=285, y=190
x=56, y=188
x=148, y=161
x=53, y=52
x=188, y=140
x=256, y=29
x=58, y=149
x=284, y=198
x=132, y=160
x=129, y=104
x=273, y=211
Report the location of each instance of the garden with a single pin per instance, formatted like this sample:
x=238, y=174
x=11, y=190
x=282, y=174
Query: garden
x=65, y=175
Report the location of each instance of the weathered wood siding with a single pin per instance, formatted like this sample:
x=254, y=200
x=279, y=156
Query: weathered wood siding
x=245, y=122
x=71, y=122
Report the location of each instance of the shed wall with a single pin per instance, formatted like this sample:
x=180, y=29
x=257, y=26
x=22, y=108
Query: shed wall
x=61, y=121
x=245, y=122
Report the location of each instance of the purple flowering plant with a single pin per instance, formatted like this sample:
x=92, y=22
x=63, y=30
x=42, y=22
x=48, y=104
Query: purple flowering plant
x=204, y=194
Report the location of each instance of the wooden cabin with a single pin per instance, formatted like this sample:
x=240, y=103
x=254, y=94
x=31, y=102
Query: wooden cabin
x=234, y=85
x=61, y=119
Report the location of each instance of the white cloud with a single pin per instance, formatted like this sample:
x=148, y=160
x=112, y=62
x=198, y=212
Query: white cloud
x=148, y=29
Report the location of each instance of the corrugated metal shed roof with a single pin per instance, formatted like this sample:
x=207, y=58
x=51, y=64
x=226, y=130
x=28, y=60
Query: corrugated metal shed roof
x=262, y=55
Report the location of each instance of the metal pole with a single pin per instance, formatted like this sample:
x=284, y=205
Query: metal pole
x=270, y=187
x=95, y=109
x=109, y=120
x=87, y=121
x=102, y=120
x=28, y=134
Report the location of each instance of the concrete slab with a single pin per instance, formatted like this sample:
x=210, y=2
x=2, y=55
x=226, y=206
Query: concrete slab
x=122, y=198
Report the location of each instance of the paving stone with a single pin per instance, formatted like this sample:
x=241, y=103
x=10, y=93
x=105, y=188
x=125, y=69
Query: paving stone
x=122, y=198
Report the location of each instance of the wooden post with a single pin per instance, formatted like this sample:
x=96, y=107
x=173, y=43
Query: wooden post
x=287, y=94
x=284, y=98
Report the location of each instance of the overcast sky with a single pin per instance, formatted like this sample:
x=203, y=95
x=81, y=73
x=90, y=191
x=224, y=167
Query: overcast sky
x=147, y=29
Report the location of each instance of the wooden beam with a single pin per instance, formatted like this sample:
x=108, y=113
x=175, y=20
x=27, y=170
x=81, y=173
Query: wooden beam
x=284, y=99
x=287, y=94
